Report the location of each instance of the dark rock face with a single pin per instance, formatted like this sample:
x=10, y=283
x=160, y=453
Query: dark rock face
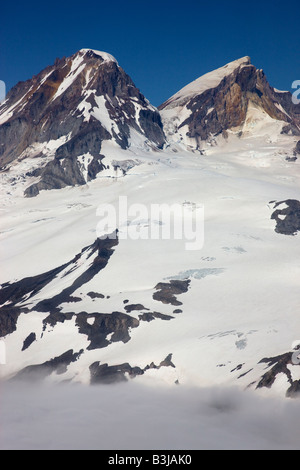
x=28, y=341
x=62, y=102
x=99, y=373
x=64, y=169
x=100, y=329
x=116, y=323
x=297, y=148
x=167, y=291
x=276, y=366
x=14, y=295
x=105, y=374
x=95, y=295
x=225, y=106
x=15, y=292
x=56, y=365
x=288, y=218
x=130, y=308
x=150, y=316
x=8, y=319
x=294, y=390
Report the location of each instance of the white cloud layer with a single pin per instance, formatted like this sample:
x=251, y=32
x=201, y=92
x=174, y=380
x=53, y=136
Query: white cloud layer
x=131, y=416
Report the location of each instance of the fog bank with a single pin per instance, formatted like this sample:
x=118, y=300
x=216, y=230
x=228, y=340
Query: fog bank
x=131, y=416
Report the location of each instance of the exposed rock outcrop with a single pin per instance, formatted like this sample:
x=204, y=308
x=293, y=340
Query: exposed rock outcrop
x=287, y=218
x=105, y=374
x=166, y=292
x=297, y=148
x=277, y=366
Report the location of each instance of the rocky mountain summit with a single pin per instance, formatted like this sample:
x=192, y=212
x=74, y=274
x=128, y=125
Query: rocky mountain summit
x=230, y=98
x=60, y=118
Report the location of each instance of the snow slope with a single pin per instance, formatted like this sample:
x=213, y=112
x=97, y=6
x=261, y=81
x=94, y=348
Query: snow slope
x=205, y=82
x=243, y=295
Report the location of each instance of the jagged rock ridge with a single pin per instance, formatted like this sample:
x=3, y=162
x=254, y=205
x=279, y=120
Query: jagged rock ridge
x=65, y=113
x=225, y=99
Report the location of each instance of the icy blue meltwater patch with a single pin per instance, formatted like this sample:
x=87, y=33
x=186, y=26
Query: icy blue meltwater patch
x=2, y=91
x=234, y=249
x=198, y=273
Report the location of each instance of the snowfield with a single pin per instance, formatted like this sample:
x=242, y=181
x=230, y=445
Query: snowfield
x=241, y=304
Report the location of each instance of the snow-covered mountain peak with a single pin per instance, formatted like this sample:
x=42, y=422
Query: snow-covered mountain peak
x=246, y=60
x=58, y=121
x=219, y=101
x=105, y=56
x=205, y=82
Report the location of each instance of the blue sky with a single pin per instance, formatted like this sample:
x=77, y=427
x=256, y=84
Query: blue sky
x=163, y=45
